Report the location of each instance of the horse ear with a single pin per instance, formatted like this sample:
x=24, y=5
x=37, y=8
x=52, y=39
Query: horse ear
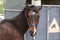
x=39, y=8
x=26, y=4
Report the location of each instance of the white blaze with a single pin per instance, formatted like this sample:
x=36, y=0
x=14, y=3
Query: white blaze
x=34, y=25
x=34, y=30
x=33, y=13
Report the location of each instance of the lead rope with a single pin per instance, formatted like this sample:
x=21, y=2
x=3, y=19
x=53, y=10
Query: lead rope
x=33, y=37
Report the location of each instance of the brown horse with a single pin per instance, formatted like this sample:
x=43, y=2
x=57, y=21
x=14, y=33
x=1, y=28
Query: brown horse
x=15, y=28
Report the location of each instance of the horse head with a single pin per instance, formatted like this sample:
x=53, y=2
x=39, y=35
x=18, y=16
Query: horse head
x=32, y=14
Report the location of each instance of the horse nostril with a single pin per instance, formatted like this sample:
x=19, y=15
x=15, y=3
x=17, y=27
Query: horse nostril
x=32, y=33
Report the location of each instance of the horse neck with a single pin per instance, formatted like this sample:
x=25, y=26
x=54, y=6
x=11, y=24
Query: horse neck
x=20, y=22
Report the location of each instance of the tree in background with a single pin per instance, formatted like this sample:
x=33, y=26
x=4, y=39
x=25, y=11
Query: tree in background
x=1, y=7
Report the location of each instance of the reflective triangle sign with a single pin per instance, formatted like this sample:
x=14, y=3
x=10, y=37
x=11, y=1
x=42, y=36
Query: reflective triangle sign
x=54, y=27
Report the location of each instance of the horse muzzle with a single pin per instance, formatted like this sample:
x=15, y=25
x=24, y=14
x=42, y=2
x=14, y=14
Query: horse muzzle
x=33, y=33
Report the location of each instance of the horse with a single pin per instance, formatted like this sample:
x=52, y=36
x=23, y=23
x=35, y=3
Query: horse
x=15, y=28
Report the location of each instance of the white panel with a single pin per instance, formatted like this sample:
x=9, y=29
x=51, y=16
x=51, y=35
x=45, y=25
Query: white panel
x=36, y=2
